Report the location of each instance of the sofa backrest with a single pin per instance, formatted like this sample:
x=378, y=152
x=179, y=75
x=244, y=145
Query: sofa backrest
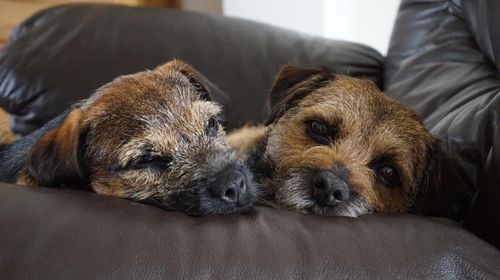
x=63, y=54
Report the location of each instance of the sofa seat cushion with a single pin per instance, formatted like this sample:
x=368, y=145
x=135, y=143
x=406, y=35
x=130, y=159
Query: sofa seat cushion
x=69, y=234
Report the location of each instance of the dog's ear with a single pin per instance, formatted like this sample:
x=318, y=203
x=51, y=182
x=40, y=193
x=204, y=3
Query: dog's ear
x=56, y=158
x=292, y=84
x=441, y=193
x=206, y=89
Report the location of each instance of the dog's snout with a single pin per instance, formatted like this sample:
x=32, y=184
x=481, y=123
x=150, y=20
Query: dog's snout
x=329, y=189
x=231, y=186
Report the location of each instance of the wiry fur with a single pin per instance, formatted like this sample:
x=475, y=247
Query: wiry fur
x=143, y=137
x=371, y=129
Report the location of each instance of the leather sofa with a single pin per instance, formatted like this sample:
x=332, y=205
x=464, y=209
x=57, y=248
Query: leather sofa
x=443, y=62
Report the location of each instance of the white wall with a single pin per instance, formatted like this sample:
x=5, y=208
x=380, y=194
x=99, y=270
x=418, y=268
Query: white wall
x=301, y=15
x=366, y=21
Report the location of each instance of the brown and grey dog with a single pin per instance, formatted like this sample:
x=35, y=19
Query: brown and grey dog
x=335, y=145
x=153, y=137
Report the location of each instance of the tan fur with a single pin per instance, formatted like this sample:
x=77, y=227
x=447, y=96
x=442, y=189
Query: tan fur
x=6, y=135
x=370, y=125
x=243, y=139
x=24, y=178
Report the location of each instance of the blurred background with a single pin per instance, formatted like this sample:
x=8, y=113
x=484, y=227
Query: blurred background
x=365, y=21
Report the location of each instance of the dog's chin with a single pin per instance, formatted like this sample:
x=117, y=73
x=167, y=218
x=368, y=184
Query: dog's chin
x=199, y=205
x=351, y=208
x=199, y=201
x=221, y=208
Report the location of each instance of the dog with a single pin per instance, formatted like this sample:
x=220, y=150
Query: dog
x=155, y=137
x=337, y=146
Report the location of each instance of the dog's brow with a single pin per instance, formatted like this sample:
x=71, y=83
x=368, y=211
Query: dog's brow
x=386, y=157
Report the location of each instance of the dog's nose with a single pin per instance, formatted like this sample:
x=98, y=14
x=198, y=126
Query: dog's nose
x=328, y=189
x=230, y=186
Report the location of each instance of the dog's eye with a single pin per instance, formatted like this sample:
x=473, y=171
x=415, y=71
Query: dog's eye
x=389, y=176
x=151, y=161
x=319, y=131
x=212, y=126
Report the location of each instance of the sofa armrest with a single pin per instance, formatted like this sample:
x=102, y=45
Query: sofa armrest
x=436, y=67
x=69, y=234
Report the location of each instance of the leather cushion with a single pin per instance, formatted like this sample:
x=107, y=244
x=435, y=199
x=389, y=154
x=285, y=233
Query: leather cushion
x=69, y=234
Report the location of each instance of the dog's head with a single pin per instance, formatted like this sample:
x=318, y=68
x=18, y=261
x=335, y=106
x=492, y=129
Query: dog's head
x=154, y=137
x=341, y=147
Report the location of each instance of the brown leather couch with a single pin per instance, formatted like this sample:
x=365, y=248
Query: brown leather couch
x=443, y=62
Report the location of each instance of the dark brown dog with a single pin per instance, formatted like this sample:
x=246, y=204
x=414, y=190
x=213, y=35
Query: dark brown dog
x=335, y=145
x=153, y=137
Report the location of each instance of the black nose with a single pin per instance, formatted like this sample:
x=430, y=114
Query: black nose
x=230, y=186
x=328, y=189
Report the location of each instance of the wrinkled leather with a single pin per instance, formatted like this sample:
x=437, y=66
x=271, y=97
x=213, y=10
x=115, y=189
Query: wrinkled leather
x=483, y=22
x=484, y=217
x=442, y=62
x=64, y=54
x=65, y=234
